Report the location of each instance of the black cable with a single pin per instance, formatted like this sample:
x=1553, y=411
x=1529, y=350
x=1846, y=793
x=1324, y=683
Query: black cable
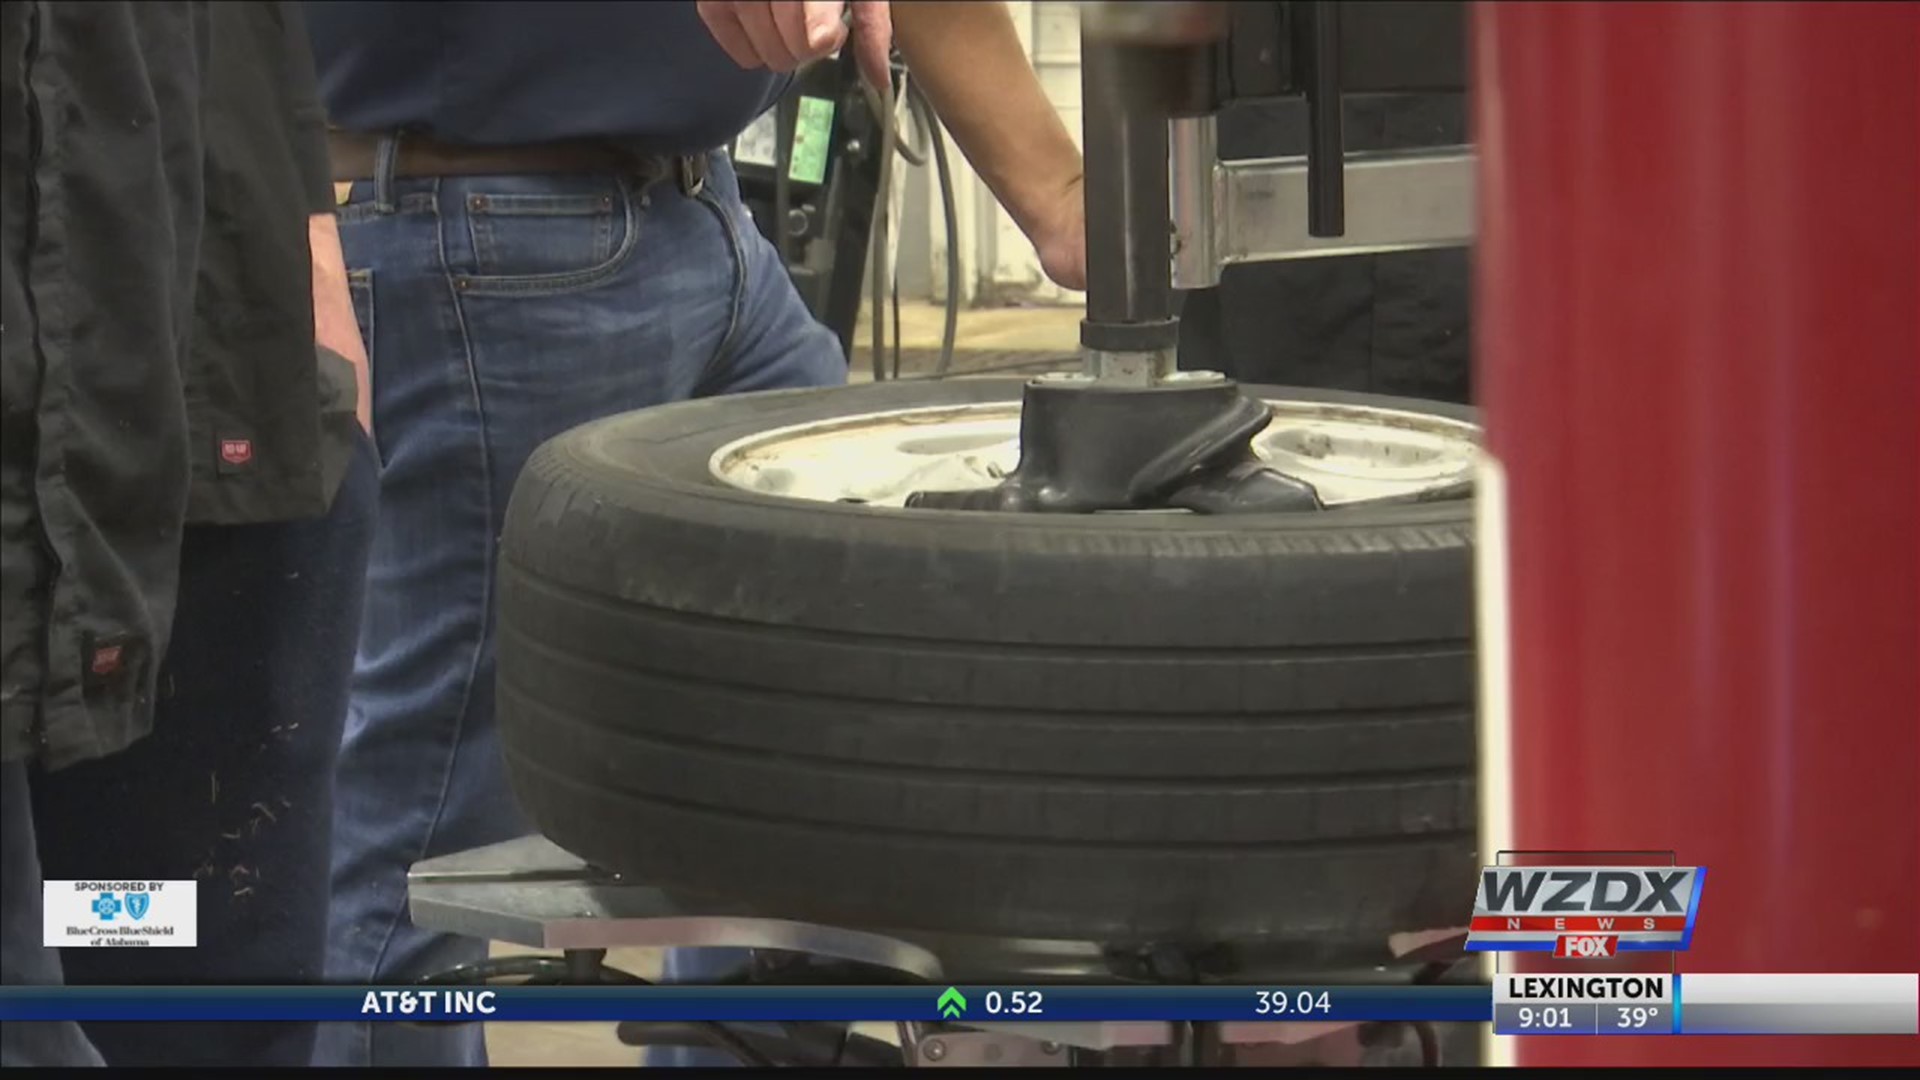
x=539, y=970
x=923, y=108
x=785, y=118
x=915, y=154
x=1432, y=972
x=877, y=259
x=915, y=158
x=725, y=1040
x=1429, y=1044
x=720, y=1035
x=896, y=323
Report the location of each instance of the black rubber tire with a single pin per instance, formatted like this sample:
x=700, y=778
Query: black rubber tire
x=1120, y=728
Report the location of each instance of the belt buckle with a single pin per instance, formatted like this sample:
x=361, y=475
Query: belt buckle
x=693, y=178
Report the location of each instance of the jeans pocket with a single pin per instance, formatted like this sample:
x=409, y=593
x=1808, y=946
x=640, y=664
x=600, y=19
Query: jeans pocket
x=360, y=289
x=547, y=234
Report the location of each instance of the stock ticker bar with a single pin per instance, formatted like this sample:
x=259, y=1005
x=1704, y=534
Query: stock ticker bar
x=1516, y=1004
x=926, y=1004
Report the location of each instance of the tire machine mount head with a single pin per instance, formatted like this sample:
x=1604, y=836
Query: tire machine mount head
x=1162, y=210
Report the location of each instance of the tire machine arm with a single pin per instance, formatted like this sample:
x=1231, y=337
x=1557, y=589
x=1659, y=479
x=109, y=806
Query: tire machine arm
x=1154, y=77
x=1163, y=211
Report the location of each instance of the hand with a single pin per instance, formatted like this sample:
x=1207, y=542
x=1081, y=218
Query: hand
x=335, y=327
x=1060, y=239
x=334, y=323
x=781, y=35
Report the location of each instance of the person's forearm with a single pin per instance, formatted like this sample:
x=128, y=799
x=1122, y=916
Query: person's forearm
x=334, y=324
x=967, y=57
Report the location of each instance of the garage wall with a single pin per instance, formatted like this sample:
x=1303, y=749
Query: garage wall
x=997, y=265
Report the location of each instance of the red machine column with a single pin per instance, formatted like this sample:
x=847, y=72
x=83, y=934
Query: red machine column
x=1698, y=334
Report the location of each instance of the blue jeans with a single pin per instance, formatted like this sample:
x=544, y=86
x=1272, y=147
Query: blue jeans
x=233, y=788
x=501, y=312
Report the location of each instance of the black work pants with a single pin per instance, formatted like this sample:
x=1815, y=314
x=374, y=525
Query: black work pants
x=233, y=789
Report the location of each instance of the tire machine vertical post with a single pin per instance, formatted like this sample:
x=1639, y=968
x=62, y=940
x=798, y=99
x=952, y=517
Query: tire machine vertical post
x=1698, y=356
x=1130, y=432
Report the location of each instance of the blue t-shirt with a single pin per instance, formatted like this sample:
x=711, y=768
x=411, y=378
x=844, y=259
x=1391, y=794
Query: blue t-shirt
x=507, y=73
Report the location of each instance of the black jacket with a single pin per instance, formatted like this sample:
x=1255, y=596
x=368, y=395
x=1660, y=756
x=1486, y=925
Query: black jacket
x=158, y=163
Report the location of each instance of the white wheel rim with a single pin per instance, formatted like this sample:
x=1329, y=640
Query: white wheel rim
x=1349, y=453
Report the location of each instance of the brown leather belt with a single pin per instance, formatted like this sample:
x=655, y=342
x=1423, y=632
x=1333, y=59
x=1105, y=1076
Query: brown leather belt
x=353, y=158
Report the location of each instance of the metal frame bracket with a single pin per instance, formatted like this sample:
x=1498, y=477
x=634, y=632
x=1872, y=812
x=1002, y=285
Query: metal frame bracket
x=1228, y=212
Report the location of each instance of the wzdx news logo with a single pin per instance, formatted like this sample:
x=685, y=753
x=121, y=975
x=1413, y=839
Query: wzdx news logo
x=1584, y=912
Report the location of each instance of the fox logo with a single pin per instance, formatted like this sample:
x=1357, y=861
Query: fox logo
x=1585, y=946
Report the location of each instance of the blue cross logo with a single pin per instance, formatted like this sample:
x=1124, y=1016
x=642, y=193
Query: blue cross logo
x=106, y=906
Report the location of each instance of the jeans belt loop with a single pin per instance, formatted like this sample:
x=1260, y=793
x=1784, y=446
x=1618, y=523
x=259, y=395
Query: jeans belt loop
x=693, y=174
x=386, y=158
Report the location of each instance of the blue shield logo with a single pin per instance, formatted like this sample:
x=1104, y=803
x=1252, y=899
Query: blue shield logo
x=137, y=904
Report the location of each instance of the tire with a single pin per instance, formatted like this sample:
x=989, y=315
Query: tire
x=1114, y=728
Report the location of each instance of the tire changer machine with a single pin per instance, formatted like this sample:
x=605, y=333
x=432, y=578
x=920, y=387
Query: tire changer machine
x=810, y=176
x=1154, y=76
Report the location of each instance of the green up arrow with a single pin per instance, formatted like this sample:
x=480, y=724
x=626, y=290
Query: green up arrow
x=952, y=1003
